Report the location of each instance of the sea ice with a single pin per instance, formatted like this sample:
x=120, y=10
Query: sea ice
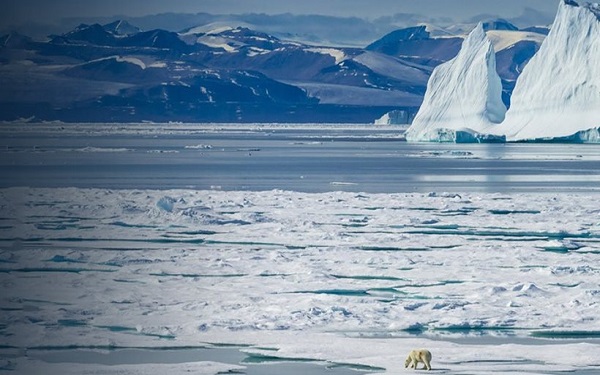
x=341, y=277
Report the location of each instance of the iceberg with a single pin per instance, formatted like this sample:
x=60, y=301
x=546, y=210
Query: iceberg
x=395, y=117
x=463, y=101
x=558, y=94
x=556, y=98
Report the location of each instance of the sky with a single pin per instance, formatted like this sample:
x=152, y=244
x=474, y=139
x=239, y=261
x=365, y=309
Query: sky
x=44, y=11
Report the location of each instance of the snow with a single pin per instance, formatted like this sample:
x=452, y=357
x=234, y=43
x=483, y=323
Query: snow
x=131, y=60
x=392, y=67
x=436, y=31
x=204, y=91
x=464, y=95
x=352, y=95
x=217, y=42
x=255, y=51
x=503, y=39
x=337, y=54
x=210, y=29
x=157, y=65
x=337, y=276
x=125, y=59
x=557, y=94
x=200, y=146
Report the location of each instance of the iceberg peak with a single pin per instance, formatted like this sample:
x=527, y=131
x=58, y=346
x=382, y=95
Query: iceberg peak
x=463, y=94
x=592, y=7
x=477, y=35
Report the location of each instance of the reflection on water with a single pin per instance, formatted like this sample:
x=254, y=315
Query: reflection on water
x=301, y=159
x=230, y=355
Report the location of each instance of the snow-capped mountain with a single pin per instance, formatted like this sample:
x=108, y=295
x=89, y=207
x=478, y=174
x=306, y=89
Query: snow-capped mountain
x=92, y=34
x=558, y=94
x=95, y=36
x=130, y=66
x=107, y=68
x=499, y=24
x=463, y=95
x=119, y=69
x=14, y=40
x=232, y=39
x=122, y=28
x=416, y=44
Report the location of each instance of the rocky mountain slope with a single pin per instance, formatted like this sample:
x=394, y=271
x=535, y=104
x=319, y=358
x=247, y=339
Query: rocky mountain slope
x=221, y=73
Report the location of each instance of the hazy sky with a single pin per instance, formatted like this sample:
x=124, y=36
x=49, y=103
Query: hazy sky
x=25, y=11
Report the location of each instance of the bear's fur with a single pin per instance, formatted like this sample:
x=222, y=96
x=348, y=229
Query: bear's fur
x=416, y=356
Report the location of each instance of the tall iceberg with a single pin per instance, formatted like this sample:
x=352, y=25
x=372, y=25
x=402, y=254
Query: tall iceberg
x=558, y=94
x=463, y=101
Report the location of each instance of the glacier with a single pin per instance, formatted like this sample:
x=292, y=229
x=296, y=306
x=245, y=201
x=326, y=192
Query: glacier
x=395, y=117
x=556, y=98
x=464, y=96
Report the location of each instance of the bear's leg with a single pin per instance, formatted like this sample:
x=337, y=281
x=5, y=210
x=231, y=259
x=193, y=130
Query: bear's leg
x=427, y=364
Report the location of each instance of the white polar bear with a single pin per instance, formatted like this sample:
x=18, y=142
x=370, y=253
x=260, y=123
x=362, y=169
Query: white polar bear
x=416, y=356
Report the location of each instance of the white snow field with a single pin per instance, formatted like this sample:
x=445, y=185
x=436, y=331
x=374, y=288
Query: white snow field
x=350, y=278
x=555, y=98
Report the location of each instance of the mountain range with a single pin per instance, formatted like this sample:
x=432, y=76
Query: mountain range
x=219, y=72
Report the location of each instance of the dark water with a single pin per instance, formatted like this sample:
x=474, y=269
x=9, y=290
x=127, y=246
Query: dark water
x=309, y=160
x=253, y=365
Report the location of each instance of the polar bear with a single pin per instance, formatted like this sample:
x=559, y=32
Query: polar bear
x=416, y=356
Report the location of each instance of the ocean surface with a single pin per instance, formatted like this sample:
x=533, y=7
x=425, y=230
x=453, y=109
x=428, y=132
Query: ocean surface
x=277, y=156
x=267, y=249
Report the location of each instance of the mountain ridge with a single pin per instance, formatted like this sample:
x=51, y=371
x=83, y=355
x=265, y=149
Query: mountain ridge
x=121, y=59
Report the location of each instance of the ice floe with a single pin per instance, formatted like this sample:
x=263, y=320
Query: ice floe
x=347, y=278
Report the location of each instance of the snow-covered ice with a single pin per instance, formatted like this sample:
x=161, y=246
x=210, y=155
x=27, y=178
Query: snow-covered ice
x=353, y=278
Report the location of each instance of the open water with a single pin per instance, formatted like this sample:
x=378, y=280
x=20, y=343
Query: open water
x=317, y=159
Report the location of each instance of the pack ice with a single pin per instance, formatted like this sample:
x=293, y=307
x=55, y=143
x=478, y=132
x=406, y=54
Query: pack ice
x=557, y=97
